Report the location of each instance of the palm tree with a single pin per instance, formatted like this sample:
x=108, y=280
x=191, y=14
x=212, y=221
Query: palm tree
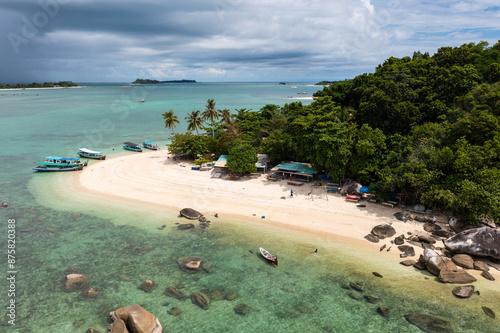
x=211, y=113
x=194, y=121
x=227, y=117
x=170, y=119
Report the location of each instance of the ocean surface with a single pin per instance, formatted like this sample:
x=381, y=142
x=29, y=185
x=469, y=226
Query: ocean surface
x=119, y=245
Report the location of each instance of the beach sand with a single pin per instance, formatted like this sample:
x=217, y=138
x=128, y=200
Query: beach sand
x=155, y=178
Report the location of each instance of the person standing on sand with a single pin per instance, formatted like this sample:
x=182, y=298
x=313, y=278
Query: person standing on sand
x=291, y=193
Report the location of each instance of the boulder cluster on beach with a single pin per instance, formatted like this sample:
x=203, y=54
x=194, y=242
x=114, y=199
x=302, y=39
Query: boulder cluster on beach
x=464, y=248
x=192, y=214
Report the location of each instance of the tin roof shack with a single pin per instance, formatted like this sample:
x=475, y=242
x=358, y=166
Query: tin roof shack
x=300, y=171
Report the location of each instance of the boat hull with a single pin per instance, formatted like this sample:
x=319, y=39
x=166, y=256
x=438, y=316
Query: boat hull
x=93, y=157
x=151, y=148
x=268, y=256
x=41, y=169
x=138, y=150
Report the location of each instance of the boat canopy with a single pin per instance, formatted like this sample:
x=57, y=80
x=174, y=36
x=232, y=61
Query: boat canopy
x=131, y=144
x=62, y=158
x=88, y=151
x=149, y=142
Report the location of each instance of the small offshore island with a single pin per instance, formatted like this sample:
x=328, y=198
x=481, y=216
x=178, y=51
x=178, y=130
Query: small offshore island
x=34, y=85
x=149, y=81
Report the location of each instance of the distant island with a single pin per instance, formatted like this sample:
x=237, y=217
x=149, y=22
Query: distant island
x=64, y=84
x=325, y=83
x=149, y=81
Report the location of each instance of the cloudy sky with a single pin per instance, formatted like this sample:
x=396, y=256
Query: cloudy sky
x=228, y=40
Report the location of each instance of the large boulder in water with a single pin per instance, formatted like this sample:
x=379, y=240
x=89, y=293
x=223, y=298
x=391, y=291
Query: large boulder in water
x=190, y=214
x=429, y=323
x=484, y=242
x=137, y=319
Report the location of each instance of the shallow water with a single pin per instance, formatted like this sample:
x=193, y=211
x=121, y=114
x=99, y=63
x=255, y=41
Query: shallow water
x=118, y=245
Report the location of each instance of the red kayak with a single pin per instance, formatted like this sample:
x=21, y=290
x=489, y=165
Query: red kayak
x=269, y=256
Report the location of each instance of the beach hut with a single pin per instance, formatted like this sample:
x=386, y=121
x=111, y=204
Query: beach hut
x=296, y=170
x=220, y=164
x=262, y=160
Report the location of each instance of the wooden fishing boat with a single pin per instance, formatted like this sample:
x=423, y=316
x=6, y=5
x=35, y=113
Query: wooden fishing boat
x=54, y=163
x=150, y=145
x=269, y=256
x=96, y=155
x=132, y=146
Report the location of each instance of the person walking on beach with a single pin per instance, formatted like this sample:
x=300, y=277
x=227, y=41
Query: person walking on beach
x=291, y=193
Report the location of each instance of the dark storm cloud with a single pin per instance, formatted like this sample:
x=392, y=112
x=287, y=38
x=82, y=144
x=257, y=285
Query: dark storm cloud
x=111, y=40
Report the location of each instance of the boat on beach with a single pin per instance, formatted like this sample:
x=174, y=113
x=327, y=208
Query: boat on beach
x=132, y=146
x=150, y=145
x=96, y=155
x=54, y=163
x=267, y=255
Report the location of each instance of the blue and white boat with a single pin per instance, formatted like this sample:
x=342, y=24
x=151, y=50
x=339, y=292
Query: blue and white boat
x=150, y=145
x=55, y=163
x=132, y=146
x=96, y=155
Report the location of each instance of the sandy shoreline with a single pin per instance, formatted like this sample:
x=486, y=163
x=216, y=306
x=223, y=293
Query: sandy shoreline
x=156, y=180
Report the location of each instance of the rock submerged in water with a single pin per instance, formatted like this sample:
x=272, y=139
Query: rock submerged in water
x=241, y=309
x=383, y=311
x=489, y=312
x=147, y=286
x=430, y=323
x=479, y=242
x=190, y=264
x=463, y=291
x=92, y=292
x=190, y=214
x=201, y=300
x=185, y=226
x=75, y=281
x=174, y=292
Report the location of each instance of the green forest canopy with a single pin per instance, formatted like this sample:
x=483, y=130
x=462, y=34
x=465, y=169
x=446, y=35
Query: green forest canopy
x=427, y=127
x=38, y=85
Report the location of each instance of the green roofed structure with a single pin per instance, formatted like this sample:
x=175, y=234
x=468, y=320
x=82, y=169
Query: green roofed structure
x=301, y=171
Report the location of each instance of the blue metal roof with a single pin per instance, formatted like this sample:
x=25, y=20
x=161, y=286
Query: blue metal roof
x=62, y=158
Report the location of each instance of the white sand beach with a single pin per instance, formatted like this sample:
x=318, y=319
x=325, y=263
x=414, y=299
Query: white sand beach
x=155, y=178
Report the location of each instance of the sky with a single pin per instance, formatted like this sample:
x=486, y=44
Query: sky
x=228, y=40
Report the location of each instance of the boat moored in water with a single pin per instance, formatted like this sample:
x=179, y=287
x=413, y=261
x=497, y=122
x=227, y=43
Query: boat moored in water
x=96, y=155
x=150, y=145
x=54, y=163
x=267, y=255
x=132, y=146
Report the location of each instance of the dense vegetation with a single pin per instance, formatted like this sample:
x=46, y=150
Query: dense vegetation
x=149, y=81
x=427, y=127
x=39, y=85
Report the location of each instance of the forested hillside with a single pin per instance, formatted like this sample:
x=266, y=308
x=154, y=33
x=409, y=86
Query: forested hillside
x=427, y=127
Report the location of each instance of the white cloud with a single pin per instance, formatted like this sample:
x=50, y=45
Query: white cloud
x=219, y=39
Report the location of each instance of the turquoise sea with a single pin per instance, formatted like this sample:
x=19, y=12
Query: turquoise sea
x=120, y=245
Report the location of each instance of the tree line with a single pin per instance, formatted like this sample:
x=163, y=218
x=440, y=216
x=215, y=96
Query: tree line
x=426, y=127
x=38, y=85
